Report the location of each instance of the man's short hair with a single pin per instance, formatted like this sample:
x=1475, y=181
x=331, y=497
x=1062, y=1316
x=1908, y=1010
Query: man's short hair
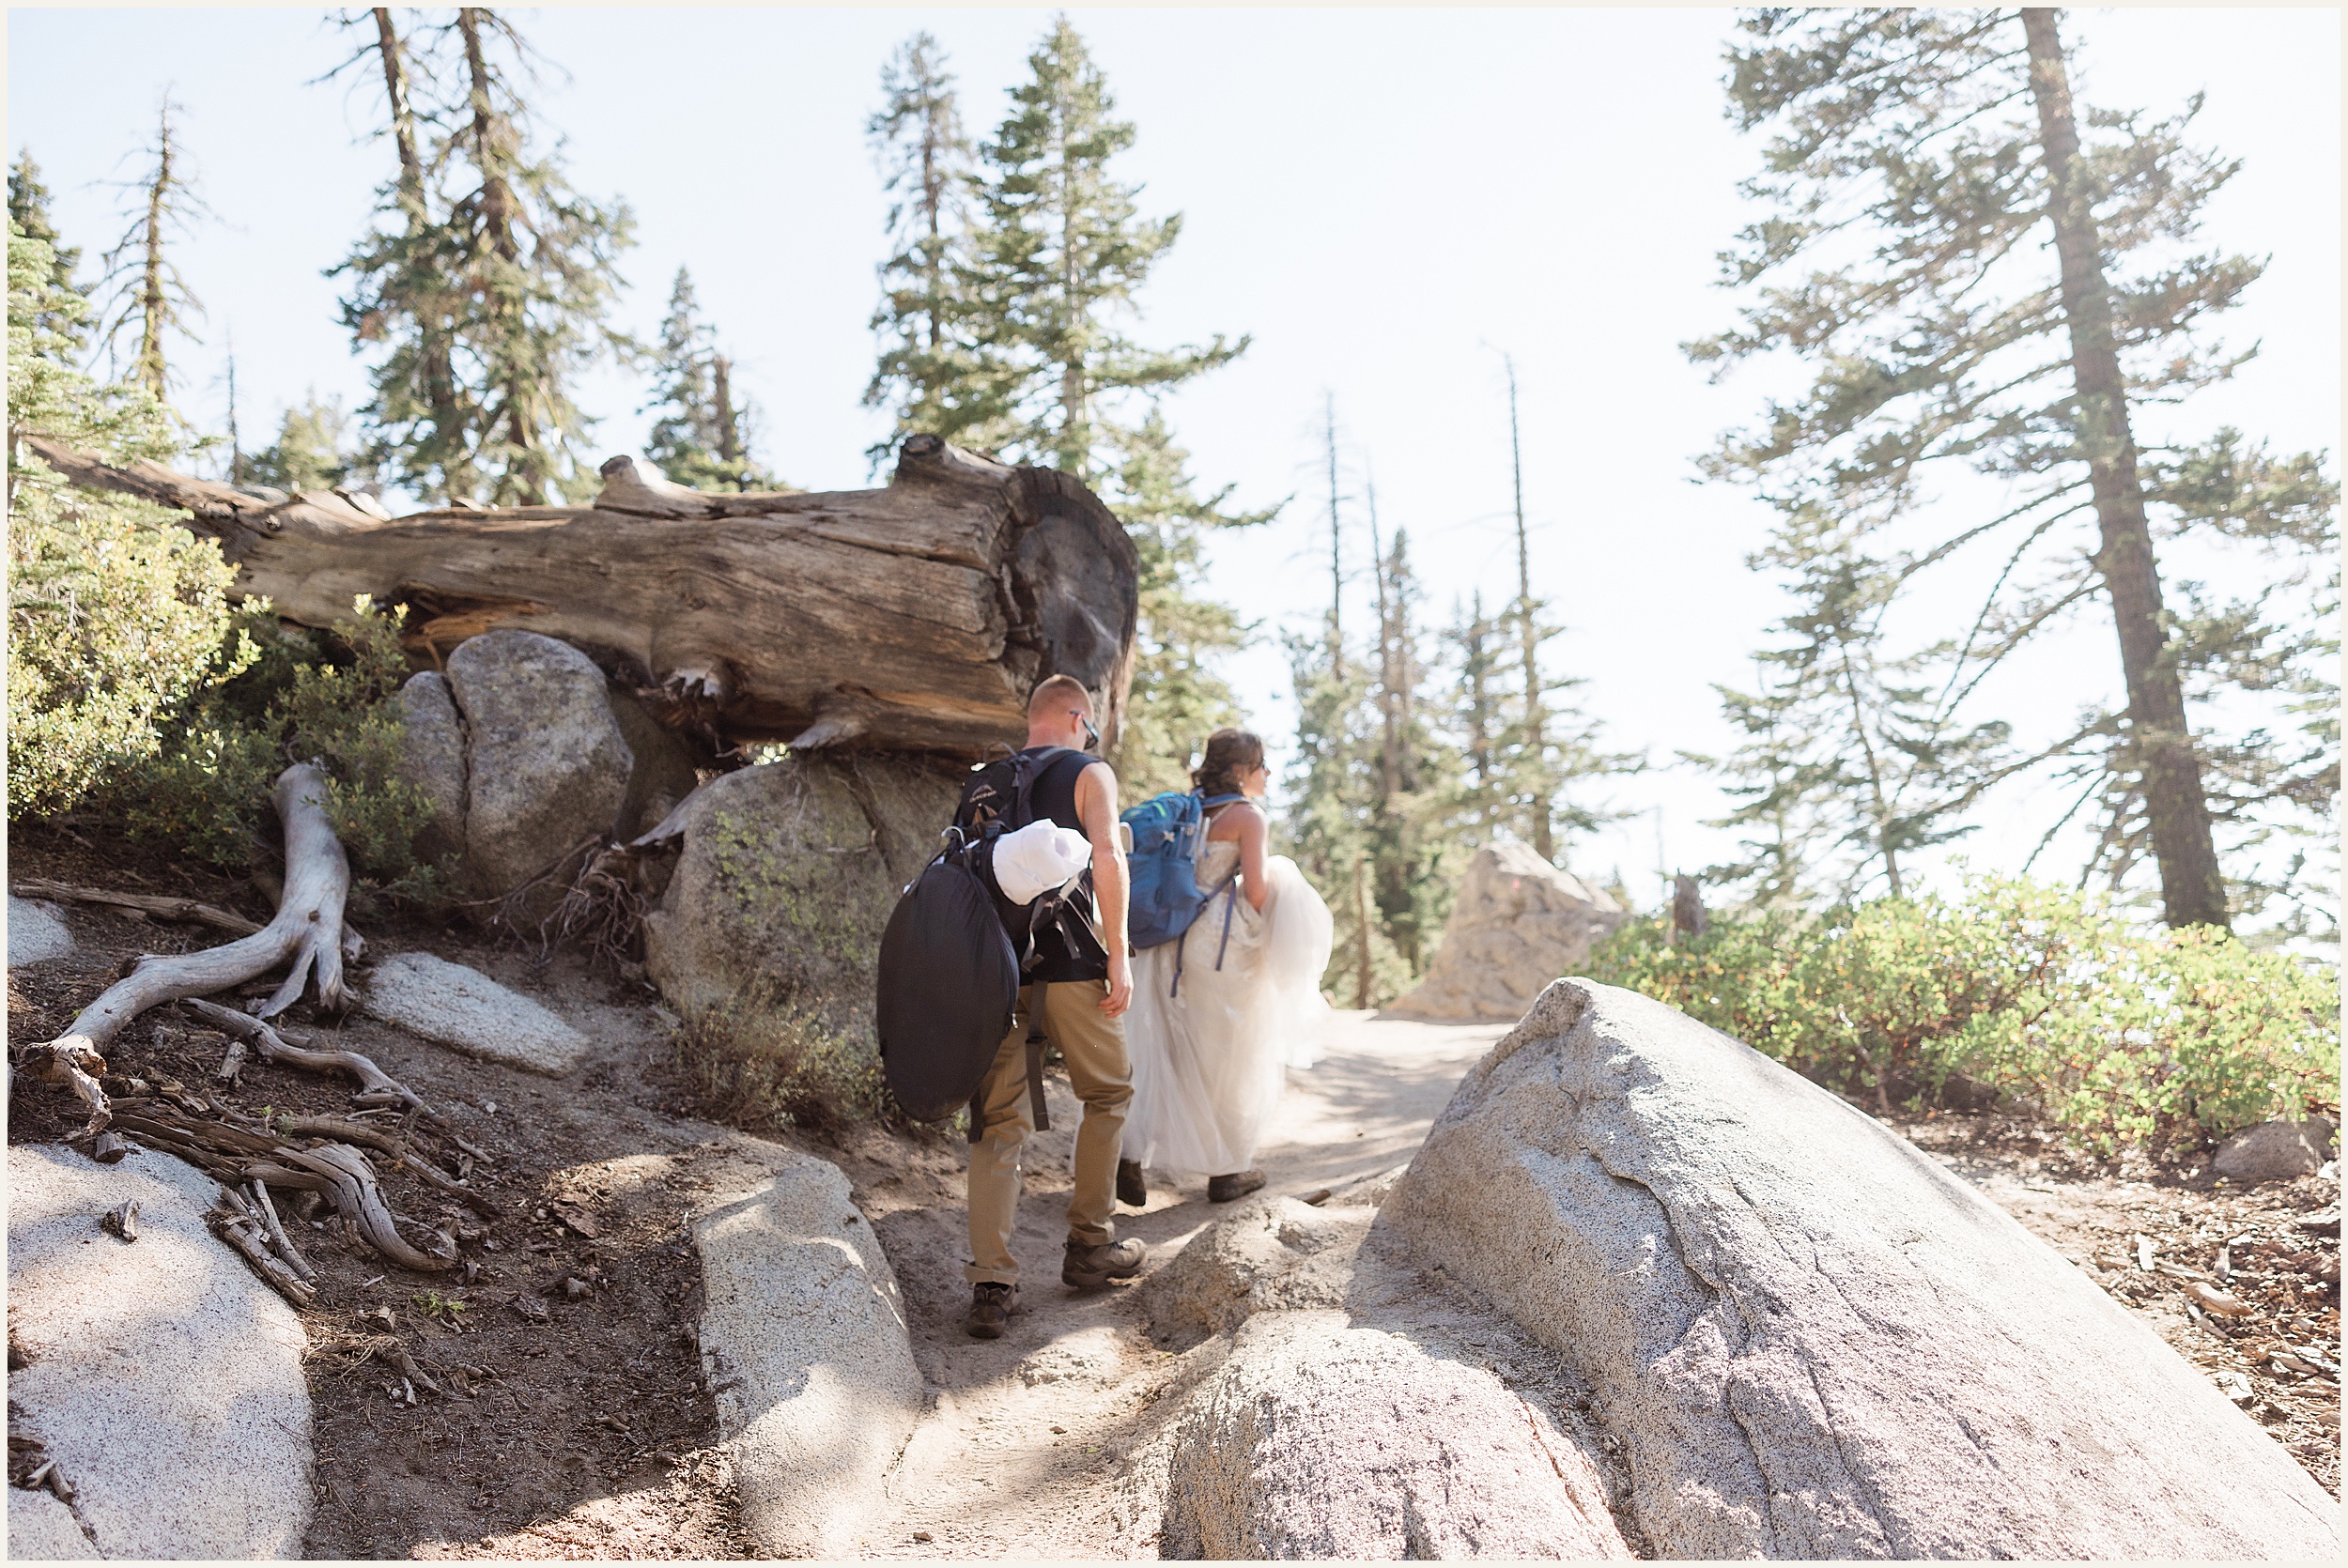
x=1055, y=691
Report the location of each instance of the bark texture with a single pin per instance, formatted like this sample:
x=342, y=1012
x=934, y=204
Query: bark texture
x=914, y=618
x=2192, y=891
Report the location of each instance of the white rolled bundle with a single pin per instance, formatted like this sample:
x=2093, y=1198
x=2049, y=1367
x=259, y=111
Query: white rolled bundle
x=1040, y=856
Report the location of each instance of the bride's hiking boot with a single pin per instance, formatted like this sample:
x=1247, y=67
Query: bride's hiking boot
x=991, y=1306
x=1223, y=1188
x=1132, y=1191
x=1089, y=1268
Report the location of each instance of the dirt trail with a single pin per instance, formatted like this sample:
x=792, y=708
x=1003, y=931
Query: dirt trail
x=1028, y=1431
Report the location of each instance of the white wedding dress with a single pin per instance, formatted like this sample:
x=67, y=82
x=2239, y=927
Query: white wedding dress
x=1211, y=1052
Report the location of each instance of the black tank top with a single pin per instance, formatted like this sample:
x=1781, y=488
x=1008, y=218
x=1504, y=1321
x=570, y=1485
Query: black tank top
x=1054, y=795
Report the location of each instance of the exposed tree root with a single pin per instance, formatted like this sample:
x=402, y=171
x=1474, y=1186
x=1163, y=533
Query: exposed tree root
x=376, y=1086
x=308, y=931
x=402, y=1158
x=156, y=906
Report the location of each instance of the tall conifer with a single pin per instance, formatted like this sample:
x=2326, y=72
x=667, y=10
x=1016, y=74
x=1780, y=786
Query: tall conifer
x=1058, y=254
x=927, y=376
x=703, y=435
x=1983, y=286
x=490, y=285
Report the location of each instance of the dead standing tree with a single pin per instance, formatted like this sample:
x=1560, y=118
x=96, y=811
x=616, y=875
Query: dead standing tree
x=912, y=617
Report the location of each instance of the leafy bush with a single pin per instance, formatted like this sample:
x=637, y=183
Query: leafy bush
x=2035, y=992
x=116, y=614
x=295, y=695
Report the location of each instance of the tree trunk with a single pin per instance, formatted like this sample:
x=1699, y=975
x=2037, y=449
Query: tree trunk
x=1535, y=743
x=915, y=617
x=2192, y=890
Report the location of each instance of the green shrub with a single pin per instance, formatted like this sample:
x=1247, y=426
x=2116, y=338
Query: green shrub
x=2035, y=992
x=295, y=695
x=115, y=613
x=764, y=1060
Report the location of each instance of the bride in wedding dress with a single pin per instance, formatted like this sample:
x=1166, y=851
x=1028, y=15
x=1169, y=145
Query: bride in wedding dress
x=1219, y=1016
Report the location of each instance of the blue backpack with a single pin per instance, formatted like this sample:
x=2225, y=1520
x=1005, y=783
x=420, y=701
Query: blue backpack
x=1164, y=863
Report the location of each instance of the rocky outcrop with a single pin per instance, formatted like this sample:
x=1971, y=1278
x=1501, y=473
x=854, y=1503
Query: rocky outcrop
x=1809, y=1340
x=1319, y=1438
x=1269, y=1255
x=784, y=876
x=546, y=764
x=2277, y=1151
x=1519, y=923
x=160, y=1374
x=465, y=1009
x=35, y=933
x=1337, y=1404
x=803, y=1336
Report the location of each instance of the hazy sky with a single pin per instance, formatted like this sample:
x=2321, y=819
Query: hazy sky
x=1385, y=198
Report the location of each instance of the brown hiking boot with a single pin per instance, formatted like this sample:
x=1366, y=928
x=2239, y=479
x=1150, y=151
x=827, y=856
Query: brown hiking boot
x=1089, y=1268
x=991, y=1306
x=1223, y=1188
x=1132, y=1191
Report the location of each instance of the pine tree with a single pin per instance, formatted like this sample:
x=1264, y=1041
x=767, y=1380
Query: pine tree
x=314, y=450
x=491, y=286
x=1943, y=148
x=1413, y=853
x=703, y=435
x=1549, y=743
x=1851, y=758
x=146, y=292
x=1483, y=797
x=928, y=376
x=28, y=209
x=1058, y=253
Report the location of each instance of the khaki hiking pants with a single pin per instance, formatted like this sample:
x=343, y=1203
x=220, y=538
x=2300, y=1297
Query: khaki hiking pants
x=1094, y=1048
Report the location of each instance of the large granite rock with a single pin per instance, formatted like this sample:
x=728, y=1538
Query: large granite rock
x=803, y=1335
x=785, y=874
x=160, y=1374
x=463, y=1009
x=2277, y=1151
x=432, y=759
x=1334, y=1401
x=36, y=934
x=42, y=1530
x=1268, y=1254
x=1318, y=1437
x=1519, y=923
x=1809, y=1340
x=546, y=763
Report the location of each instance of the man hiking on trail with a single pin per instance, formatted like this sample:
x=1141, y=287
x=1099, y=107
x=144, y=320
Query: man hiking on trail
x=1078, y=998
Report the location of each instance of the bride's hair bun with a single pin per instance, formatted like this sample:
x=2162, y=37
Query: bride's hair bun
x=1229, y=752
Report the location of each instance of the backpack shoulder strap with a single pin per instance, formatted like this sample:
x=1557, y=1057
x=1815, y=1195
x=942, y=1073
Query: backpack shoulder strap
x=1027, y=770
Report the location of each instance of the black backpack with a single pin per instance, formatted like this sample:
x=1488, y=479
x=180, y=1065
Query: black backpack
x=997, y=800
x=955, y=951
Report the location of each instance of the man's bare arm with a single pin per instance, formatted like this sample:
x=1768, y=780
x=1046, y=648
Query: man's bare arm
x=1096, y=807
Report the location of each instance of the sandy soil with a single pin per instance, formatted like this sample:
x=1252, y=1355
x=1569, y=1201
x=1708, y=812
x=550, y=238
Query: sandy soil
x=1029, y=1432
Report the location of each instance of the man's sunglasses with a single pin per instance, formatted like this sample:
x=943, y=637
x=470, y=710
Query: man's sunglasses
x=1092, y=736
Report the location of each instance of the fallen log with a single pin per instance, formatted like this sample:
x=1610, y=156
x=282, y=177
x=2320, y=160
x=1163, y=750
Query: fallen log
x=308, y=931
x=914, y=618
